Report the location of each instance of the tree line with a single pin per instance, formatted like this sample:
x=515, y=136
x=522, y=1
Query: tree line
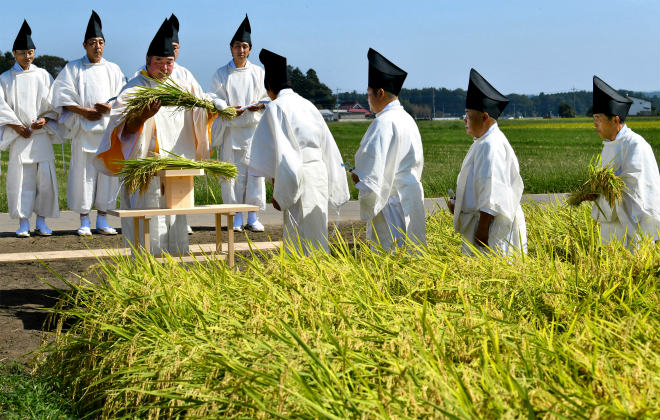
x=442, y=102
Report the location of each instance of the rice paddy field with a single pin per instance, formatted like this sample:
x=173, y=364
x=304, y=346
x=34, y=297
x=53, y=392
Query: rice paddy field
x=569, y=331
x=553, y=154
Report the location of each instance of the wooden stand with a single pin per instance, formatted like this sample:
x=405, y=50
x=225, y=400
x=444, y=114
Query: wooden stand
x=178, y=187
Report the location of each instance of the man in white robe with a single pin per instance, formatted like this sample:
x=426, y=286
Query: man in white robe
x=631, y=157
x=81, y=94
x=31, y=179
x=487, y=209
x=293, y=147
x=240, y=84
x=185, y=133
x=389, y=163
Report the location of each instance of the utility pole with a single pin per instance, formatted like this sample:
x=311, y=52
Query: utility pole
x=433, y=96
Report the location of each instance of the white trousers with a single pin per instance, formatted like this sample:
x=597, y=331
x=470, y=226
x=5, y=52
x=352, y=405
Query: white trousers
x=389, y=226
x=32, y=187
x=87, y=187
x=245, y=188
x=168, y=233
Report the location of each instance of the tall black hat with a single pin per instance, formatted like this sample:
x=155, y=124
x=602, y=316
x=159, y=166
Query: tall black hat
x=23, y=40
x=275, y=69
x=608, y=101
x=94, y=27
x=243, y=32
x=383, y=74
x=161, y=45
x=175, y=28
x=482, y=96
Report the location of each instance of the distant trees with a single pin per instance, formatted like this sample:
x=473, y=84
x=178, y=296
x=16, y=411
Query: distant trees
x=52, y=64
x=310, y=87
x=565, y=110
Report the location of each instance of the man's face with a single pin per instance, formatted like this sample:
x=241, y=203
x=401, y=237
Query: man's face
x=606, y=127
x=94, y=48
x=24, y=57
x=176, y=47
x=240, y=50
x=160, y=67
x=371, y=99
x=474, y=122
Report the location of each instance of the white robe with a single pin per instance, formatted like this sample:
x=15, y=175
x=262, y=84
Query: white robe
x=293, y=145
x=185, y=133
x=490, y=181
x=389, y=163
x=31, y=179
x=82, y=83
x=233, y=86
x=632, y=158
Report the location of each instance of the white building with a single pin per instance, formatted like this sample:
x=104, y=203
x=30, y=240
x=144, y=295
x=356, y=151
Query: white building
x=639, y=107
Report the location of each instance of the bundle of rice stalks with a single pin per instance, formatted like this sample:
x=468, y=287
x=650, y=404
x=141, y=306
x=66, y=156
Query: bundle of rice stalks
x=602, y=181
x=169, y=93
x=137, y=173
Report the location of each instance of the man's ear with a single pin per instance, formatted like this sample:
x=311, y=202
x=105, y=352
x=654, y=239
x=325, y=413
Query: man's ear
x=485, y=116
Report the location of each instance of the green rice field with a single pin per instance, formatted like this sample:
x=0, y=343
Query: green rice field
x=553, y=154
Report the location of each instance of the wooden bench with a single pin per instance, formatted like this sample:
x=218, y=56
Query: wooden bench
x=228, y=210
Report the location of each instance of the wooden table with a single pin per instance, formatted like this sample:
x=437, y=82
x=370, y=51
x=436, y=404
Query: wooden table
x=228, y=210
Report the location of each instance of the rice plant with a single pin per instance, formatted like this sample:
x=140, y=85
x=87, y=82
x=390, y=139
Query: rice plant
x=169, y=93
x=137, y=174
x=568, y=331
x=601, y=181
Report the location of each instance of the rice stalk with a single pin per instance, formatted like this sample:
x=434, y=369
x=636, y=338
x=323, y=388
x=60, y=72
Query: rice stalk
x=170, y=93
x=601, y=181
x=137, y=174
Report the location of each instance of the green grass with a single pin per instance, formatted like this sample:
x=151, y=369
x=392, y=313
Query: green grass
x=25, y=396
x=553, y=154
x=569, y=331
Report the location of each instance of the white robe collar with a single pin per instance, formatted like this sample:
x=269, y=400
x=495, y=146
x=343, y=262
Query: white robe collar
x=17, y=68
x=621, y=134
x=232, y=66
x=490, y=130
x=86, y=62
x=287, y=91
x=392, y=105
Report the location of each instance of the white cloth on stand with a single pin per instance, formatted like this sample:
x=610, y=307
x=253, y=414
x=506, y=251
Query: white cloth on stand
x=490, y=181
x=185, y=133
x=293, y=145
x=389, y=163
x=83, y=83
x=26, y=96
x=631, y=158
x=232, y=86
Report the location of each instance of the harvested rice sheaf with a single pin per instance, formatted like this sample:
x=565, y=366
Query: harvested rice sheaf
x=169, y=93
x=601, y=181
x=137, y=173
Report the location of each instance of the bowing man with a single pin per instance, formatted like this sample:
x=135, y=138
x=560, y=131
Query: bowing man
x=82, y=95
x=389, y=162
x=632, y=158
x=240, y=84
x=487, y=209
x=185, y=133
x=293, y=147
x=31, y=179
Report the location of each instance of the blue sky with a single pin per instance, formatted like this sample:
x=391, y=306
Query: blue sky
x=520, y=46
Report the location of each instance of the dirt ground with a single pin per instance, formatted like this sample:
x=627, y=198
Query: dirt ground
x=25, y=290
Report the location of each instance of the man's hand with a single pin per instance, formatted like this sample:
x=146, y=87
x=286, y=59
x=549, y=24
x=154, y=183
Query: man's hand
x=90, y=114
x=133, y=124
x=355, y=178
x=22, y=130
x=450, y=205
x=256, y=107
x=239, y=111
x=589, y=197
x=102, y=108
x=276, y=205
x=38, y=124
x=481, y=234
